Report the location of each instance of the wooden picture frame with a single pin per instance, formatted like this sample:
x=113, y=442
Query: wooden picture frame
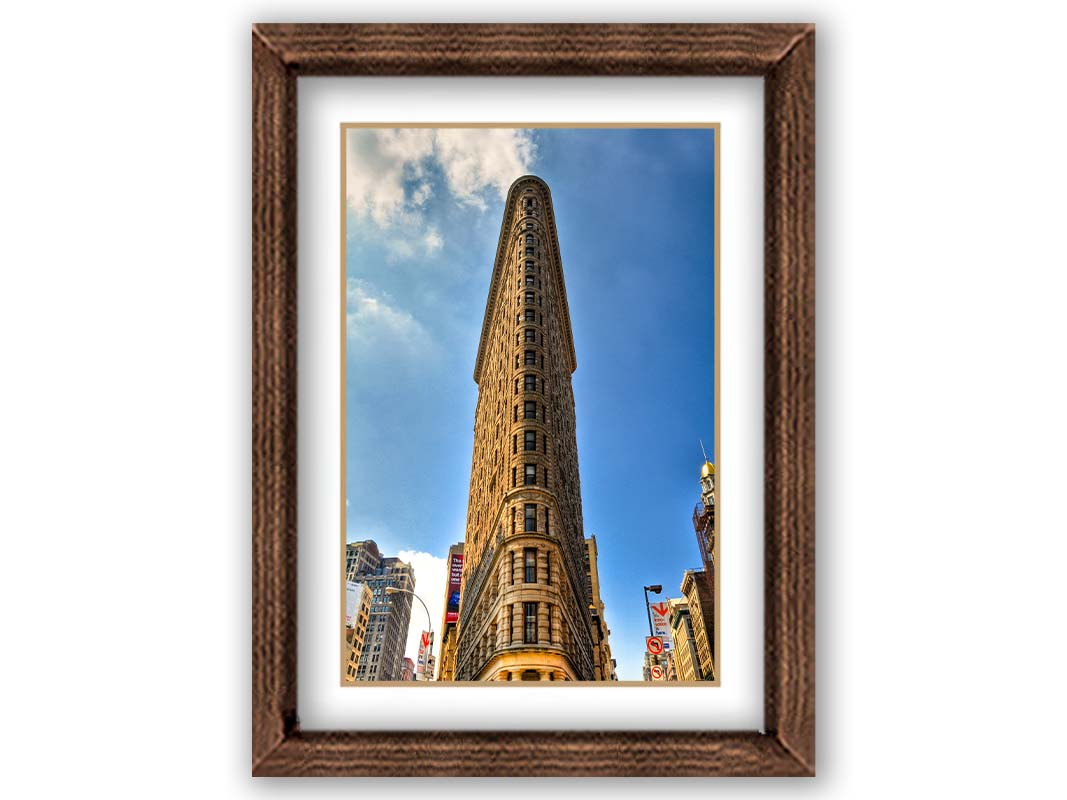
x=784, y=55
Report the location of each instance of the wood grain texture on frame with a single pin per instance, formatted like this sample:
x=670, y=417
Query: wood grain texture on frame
x=785, y=56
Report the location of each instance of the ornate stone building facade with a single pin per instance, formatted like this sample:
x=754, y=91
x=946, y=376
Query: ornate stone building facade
x=524, y=609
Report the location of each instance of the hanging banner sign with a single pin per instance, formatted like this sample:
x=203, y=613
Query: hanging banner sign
x=455, y=578
x=661, y=626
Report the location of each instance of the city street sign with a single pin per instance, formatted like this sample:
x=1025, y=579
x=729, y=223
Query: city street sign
x=654, y=644
x=656, y=671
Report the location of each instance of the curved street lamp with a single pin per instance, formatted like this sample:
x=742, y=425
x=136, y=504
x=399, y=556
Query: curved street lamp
x=655, y=588
x=429, y=622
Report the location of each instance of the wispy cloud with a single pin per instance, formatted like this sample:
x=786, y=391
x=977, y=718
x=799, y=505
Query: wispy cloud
x=392, y=174
x=378, y=329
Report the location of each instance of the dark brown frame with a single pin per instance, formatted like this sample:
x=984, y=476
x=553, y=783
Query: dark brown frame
x=785, y=56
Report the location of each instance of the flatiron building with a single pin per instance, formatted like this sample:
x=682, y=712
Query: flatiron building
x=525, y=600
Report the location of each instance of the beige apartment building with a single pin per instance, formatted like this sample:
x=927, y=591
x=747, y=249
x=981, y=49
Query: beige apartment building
x=686, y=661
x=603, y=663
x=698, y=591
x=524, y=611
x=357, y=617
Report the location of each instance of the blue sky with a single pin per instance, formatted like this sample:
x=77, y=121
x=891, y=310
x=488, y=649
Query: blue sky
x=634, y=211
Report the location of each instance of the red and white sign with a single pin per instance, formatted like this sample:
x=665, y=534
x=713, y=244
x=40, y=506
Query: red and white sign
x=661, y=626
x=656, y=671
x=425, y=647
x=654, y=644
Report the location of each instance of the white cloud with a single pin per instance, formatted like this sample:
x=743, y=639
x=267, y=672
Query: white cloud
x=432, y=241
x=377, y=328
x=421, y=194
x=477, y=159
x=378, y=163
x=399, y=250
x=383, y=163
x=430, y=579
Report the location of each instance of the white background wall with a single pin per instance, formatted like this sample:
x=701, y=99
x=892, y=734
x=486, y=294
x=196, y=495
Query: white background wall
x=124, y=437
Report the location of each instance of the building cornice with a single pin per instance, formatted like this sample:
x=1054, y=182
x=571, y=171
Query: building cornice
x=499, y=268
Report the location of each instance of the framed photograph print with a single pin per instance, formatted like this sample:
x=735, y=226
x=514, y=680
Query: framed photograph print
x=533, y=443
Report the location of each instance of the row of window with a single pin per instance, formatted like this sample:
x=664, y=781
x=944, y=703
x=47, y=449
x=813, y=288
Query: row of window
x=529, y=359
x=529, y=411
x=529, y=476
x=529, y=623
x=529, y=557
x=529, y=525
x=530, y=316
x=530, y=335
x=529, y=442
x=529, y=383
x=530, y=280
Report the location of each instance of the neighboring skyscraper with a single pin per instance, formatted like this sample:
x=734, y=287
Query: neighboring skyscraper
x=697, y=588
x=361, y=558
x=524, y=613
x=387, y=628
x=603, y=663
x=357, y=617
x=450, y=619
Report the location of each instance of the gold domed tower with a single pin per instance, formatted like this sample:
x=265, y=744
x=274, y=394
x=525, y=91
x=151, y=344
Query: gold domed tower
x=704, y=515
x=707, y=484
x=700, y=586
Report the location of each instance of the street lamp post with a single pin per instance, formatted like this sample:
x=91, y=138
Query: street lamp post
x=655, y=589
x=429, y=621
